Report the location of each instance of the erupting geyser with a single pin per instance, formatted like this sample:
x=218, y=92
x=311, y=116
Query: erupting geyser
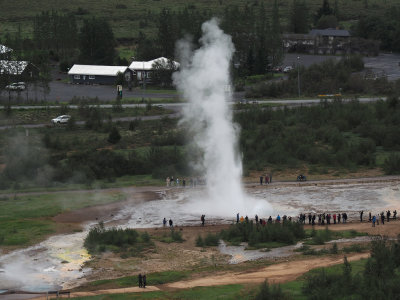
x=203, y=78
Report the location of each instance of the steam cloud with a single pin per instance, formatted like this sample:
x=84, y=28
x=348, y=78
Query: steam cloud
x=203, y=79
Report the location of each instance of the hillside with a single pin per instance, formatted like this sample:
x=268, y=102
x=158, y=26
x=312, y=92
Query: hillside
x=128, y=17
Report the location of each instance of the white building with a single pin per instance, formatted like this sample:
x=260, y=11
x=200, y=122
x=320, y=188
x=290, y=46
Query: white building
x=144, y=69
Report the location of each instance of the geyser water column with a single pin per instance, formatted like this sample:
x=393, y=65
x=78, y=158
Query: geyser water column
x=203, y=78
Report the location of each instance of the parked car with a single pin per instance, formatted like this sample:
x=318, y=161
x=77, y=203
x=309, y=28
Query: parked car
x=61, y=119
x=287, y=69
x=301, y=177
x=16, y=86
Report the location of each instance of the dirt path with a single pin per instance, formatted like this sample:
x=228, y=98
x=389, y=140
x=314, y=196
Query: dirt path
x=277, y=273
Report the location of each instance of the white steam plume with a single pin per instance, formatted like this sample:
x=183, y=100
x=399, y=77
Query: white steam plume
x=202, y=79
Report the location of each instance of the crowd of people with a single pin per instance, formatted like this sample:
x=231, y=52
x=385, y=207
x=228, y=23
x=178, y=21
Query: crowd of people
x=192, y=182
x=374, y=219
x=319, y=219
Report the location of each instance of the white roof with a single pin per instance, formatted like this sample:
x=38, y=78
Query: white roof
x=96, y=70
x=12, y=67
x=148, y=65
x=4, y=49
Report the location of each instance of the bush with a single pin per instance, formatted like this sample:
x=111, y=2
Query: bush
x=273, y=292
x=287, y=232
x=199, y=241
x=211, y=240
x=114, y=136
x=391, y=165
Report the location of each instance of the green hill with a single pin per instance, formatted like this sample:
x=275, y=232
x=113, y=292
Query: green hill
x=128, y=17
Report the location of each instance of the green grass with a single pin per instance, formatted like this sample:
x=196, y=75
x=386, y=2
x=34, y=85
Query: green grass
x=319, y=237
x=26, y=219
x=294, y=288
x=44, y=115
x=233, y=291
x=128, y=281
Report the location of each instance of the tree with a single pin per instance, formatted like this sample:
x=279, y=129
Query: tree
x=275, y=42
x=162, y=72
x=167, y=33
x=114, y=136
x=299, y=17
x=96, y=42
x=146, y=49
x=328, y=21
x=325, y=10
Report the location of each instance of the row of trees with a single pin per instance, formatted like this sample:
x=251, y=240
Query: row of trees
x=329, y=134
x=257, y=37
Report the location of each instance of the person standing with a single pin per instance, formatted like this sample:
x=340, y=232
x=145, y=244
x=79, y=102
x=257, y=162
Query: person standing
x=394, y=214
x=203, y=219
x=267, y=179
x=261, y=180
x=361, y=215
x=334, y=218
x=383, y=218
x=168, y=181
x=237, y=218
x=140, y=278
x=144, y=281
x=373, y=221
x=369, y=215
x=388, y=215
x=338, y=218
x=171, y=223
x=164, y=222
x=256, y=218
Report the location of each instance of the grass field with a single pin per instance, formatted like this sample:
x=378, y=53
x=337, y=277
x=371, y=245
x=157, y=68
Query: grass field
x=25, y=220
x=233, y=291
x=128, y=17
x=236, y=291
x=294, y=288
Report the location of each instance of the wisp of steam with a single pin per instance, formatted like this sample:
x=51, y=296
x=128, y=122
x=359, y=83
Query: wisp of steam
x=202, y=79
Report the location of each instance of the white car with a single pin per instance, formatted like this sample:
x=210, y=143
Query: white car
x=287, y=69
x=16, y=86
x=61, y=119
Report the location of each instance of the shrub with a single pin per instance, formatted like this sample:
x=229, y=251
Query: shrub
x=211, y=240
x=199, y=241
x=287, y=232
x=334, y=249
x=273, y=292
x=100, y=239
x=114, y=136
x=391, y=165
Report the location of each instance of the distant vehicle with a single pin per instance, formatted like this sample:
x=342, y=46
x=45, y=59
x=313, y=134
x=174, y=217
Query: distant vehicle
x=16, y=86
x=278, y=69
x=287, y=69
x=61, y=119
x=301, y=177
